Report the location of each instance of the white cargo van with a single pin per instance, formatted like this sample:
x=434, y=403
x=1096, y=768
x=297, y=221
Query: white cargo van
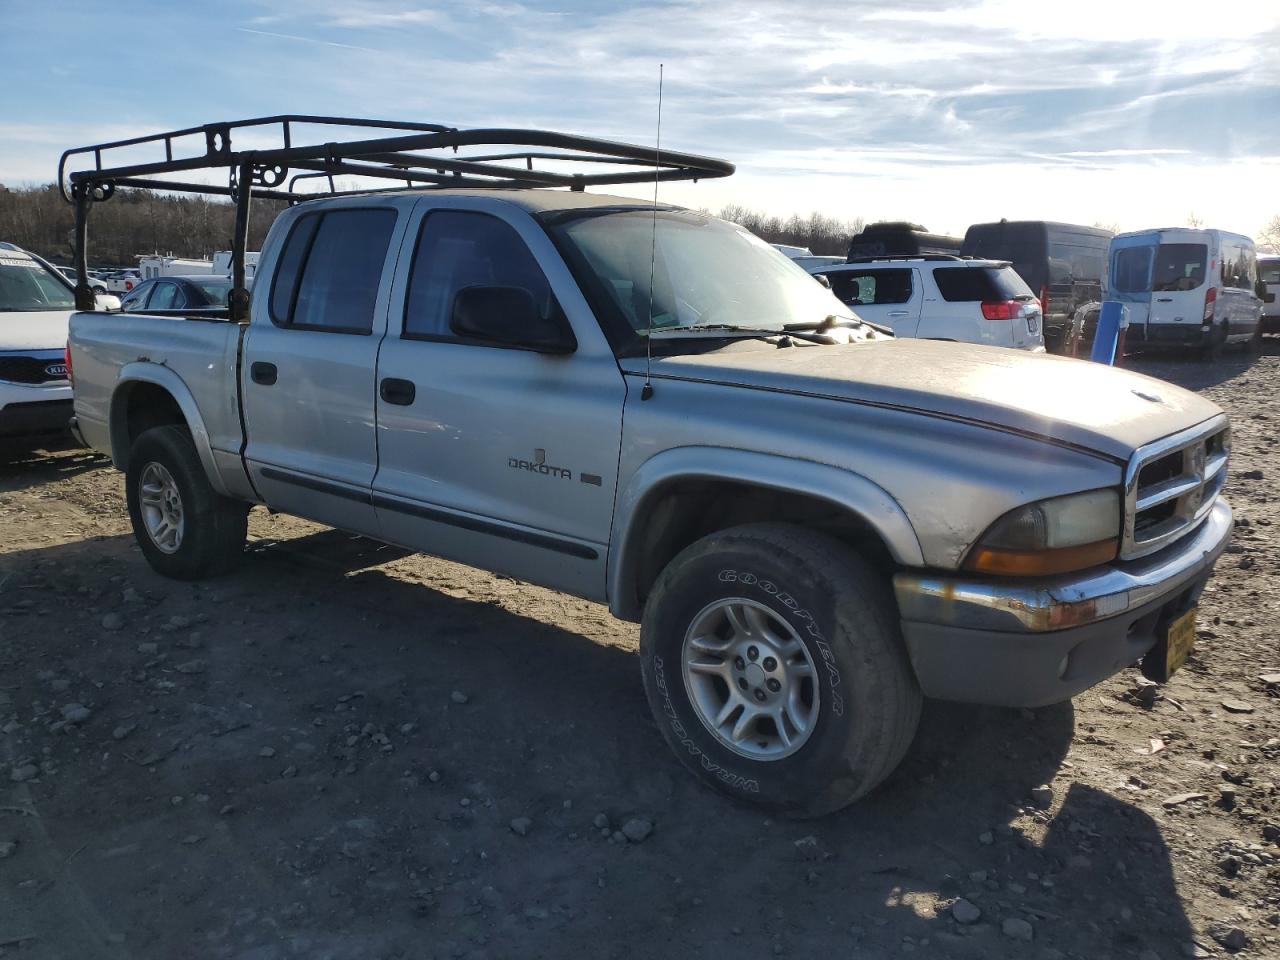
x=1186, y=288
x=156, y=266
x=1269, y=290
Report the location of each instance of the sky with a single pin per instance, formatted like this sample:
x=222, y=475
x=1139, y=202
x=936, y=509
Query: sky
x=1130, y=113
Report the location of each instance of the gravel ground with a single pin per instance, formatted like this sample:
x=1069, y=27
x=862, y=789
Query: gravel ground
x=344, y=751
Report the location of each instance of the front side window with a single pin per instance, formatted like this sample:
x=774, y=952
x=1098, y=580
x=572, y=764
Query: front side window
x=330, y=270
x=1269, y=271
x=1179, y=266
x=459, y=249
x=26, y=286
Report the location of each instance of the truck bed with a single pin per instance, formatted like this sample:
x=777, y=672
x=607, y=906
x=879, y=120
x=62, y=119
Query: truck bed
x=194, y=354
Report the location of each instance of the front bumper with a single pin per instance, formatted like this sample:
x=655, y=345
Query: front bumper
x=34, y=419
x=1030, y=643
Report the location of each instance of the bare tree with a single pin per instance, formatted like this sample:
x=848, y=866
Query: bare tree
x=1194, y=222
x=1268, y=238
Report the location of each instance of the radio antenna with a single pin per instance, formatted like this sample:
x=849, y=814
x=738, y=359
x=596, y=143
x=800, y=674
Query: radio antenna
x=647, y=390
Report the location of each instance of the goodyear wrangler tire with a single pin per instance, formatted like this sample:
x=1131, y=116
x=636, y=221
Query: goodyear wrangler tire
x=774, y=665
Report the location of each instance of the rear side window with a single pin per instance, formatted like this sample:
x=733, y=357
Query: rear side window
x=871, y=287
x=1269, y=271
x=458, y=249
x=330, y=270
x=973, y=284
x=1179, y=266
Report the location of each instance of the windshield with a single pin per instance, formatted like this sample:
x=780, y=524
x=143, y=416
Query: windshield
x=26, y=285
x=705, y=272
x=1179, y=266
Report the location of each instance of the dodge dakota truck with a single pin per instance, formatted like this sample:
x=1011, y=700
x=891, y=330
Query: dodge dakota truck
x=815, y=525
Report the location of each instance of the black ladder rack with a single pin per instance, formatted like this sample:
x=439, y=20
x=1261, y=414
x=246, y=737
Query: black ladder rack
x=418, y=155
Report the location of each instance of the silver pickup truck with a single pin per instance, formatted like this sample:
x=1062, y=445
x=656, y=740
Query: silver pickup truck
x=814, y=524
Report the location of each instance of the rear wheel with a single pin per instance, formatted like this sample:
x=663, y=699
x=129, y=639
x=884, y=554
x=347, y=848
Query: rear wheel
x=186, y=530
x=1212, y=349
x=774, y=665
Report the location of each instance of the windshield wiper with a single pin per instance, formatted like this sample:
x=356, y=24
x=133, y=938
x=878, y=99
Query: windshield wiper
x=731, y=330
x=832, y=322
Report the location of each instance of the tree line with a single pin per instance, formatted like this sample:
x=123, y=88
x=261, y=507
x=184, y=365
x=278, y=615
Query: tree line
x=818, y=232
x=132, y=222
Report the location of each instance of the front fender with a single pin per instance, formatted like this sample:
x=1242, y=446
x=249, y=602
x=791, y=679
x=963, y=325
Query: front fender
x=842, y=488
x=143, y=371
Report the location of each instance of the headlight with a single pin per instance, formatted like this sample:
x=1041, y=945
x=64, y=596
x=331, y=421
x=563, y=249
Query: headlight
x=1051, y=536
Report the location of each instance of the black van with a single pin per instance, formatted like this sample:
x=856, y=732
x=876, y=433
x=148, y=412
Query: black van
x=1062, y=262
x=897, y=238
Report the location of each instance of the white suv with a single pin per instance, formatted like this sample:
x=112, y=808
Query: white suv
x=939, y=297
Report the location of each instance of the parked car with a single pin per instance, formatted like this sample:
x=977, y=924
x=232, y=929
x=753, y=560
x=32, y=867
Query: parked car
x=158, y=266
x=1269, y=290
x=815, y=262
x=792, y=251
x=1063, y=264
x=198, y=292
x=35, y=304
x=816, y=525
x=942, y=298
x=898, y=238
x=96, y=285
x=1186, y=289
x=121, y=281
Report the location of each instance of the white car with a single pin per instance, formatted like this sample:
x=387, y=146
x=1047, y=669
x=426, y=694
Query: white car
x=36, y=301
x=939, y=297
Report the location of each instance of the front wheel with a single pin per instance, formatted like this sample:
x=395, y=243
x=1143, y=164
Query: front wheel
x=186, y=530
x=773, y=662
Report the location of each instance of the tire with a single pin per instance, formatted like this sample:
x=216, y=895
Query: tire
x=1212, y=350
x=211, y=528
x=859, y=697
x=1253, y=346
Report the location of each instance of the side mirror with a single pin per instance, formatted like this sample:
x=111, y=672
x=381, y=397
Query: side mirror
x=822, y=279
x=107, y=302
x=508, y=316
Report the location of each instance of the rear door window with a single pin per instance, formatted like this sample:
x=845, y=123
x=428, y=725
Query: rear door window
x=330, y=271
x=166, y=296
x=1179, y=266
x=871, y=287
x=970, y=284
x=1132, y=273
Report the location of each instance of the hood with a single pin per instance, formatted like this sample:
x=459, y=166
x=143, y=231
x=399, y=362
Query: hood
x=1104, y=409
x=37, y=330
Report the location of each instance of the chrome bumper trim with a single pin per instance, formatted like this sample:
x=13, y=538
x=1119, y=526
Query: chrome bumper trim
x=1039, y=606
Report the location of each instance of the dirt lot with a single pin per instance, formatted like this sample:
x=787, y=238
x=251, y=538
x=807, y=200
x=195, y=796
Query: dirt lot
x=342, y=751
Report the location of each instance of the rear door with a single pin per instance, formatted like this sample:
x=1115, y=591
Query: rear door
x=1131, y=262
x=500, y=457
x=309, y=360
x=1269, y=275
x=889, y=296
x=1180, y=278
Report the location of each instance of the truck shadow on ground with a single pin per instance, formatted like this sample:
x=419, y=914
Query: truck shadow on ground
x=1193, y=373
x=369, y=813
x=24, y=465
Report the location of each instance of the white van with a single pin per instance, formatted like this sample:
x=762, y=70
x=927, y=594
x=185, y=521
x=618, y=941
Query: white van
x=1186, y=288
x=157, y=266
x=1269, y=289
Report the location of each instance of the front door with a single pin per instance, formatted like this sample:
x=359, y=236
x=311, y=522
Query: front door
x=502, y=458
x=309, y=360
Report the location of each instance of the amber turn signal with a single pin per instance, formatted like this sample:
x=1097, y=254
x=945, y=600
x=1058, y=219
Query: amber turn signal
x=1032, y=563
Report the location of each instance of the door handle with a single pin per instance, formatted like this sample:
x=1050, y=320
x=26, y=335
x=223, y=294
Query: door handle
x=899, y=313
x=1164, y=299
x=263, y=373
x=399, y=392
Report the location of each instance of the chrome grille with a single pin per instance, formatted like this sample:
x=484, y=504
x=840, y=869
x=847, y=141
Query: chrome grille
x=1171, y=485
